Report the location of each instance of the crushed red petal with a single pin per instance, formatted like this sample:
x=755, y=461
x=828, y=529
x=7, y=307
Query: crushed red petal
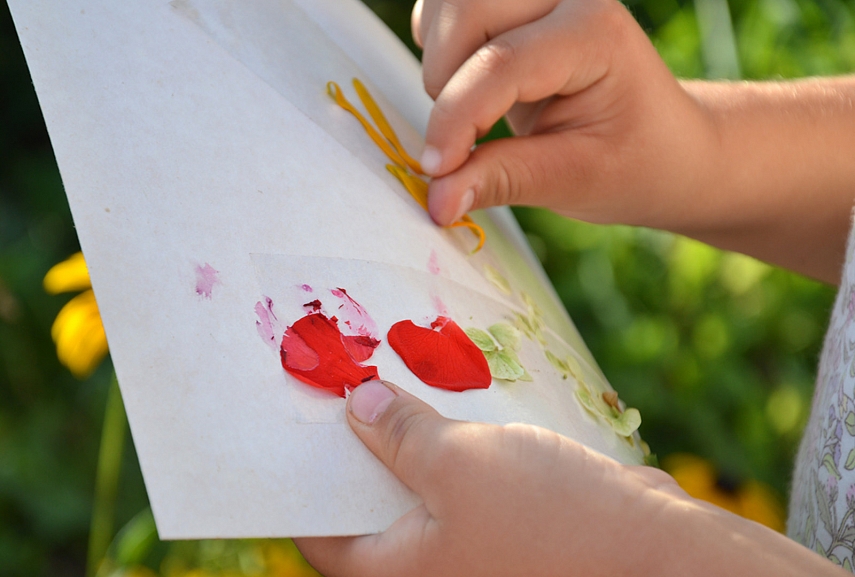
x=360, y=347
x=441, y=356
x=335, y=369
x=315, y=305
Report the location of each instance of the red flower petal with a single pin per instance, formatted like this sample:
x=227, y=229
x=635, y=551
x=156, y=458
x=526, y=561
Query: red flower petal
x=315, y=338
x=441, y=356
x=360, y=347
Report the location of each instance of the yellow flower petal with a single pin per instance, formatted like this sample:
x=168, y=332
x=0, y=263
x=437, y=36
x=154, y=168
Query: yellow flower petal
x=69, y=275
x=388, y=142
x=79, y=335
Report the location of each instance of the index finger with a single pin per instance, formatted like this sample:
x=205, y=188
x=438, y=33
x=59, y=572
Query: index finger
x=517, y=66
x=451, y=31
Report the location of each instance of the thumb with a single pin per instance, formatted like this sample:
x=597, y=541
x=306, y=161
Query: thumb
x=401, y=430
x=552, y=170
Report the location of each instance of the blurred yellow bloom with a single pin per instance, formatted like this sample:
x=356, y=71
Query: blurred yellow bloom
x=77, y=331
x=752, y=499
x=284, y=560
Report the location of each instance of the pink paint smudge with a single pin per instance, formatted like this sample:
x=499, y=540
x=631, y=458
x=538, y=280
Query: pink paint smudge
x=269, y=328
x=305, y=288
x=359, y=331
x=206, y=278
x=433, y=263
x=353, y=315
x=441, y=309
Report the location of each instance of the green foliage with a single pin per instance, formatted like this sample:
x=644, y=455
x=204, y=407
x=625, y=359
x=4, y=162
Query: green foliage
x=716, y=350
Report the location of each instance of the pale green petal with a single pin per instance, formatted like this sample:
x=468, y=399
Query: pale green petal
x=497, y=280
x=482, y=339
x=557, y=363
x=504, y=366
x=506, y=335
x=627, y=423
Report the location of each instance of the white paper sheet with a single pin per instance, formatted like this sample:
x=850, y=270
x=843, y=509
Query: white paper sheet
x=207, y=170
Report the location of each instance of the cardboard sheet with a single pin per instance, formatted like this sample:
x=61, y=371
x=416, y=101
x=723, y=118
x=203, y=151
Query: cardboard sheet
x=209, y=173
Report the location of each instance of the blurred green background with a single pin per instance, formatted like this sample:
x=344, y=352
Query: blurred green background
x=717, y=350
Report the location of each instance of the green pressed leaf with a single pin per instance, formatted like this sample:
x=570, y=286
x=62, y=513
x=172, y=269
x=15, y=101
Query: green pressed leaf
x=525, y=377
x=627, y=423
x=508, y=336
x=574, y=367
x=847, y=564
x=850, y=461
x=585, y=399
x=504, y=365
x=557, y=363
x=530, y=305
x=497, y=280
x=524, y=324
x=850, y=423
x=482, y=339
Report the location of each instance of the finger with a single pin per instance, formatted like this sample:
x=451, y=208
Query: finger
x=404, y=432
x=452, y=31
x=554, y=170
x=393, y=552
x=514, y=67
x=416, y=22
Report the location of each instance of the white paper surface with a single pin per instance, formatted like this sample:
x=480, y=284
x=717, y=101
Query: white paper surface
x=206, y=170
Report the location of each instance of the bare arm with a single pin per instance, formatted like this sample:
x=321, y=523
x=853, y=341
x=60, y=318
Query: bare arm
x=786, y=172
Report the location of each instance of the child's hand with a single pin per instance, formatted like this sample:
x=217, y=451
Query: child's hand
x=611, y=135
x=514, y=500
x=520, y=500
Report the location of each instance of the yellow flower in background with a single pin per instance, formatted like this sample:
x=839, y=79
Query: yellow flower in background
x=751, y=499
x=77, y=331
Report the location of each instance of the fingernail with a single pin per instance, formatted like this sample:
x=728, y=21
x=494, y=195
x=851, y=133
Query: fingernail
x=430, y=161
x=369, y=400
x=465, y=204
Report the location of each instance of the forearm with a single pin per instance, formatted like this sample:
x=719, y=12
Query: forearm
x=699, y=539
x=782, y=181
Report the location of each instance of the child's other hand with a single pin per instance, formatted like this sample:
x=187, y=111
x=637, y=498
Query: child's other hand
x=608, y=133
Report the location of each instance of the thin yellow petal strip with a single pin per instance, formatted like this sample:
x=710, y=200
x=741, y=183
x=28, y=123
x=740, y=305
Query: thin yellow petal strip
x=380, y=120
x=474, y=227
x=417, y=187
x=79, y=335
x=334, y=90
x=69, y=275
x=403, y=165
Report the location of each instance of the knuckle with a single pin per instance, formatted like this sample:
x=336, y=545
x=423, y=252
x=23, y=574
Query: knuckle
x=402, y=439
x=615, y=22
x=534, y=448
x=509, y=180
x=496, y=57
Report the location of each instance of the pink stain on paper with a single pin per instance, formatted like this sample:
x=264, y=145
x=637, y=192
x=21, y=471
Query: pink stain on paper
x=268, y=326
x=359, y=334
x=207, y=277
x=433, y=263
